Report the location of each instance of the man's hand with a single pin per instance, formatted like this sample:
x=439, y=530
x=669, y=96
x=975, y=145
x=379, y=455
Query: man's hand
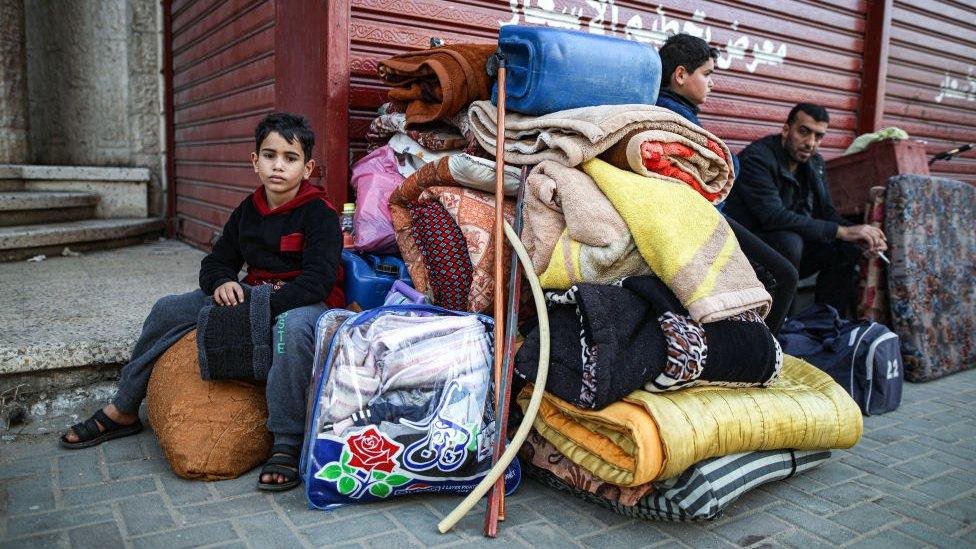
x=870, y=237
x=229, y=293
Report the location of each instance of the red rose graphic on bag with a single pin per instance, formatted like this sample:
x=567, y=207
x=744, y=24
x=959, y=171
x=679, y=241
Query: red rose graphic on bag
x=365, y=465
x=371, y=450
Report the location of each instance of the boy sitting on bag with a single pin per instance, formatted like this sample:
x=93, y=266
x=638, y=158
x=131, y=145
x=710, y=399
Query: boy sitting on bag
x=288, y=235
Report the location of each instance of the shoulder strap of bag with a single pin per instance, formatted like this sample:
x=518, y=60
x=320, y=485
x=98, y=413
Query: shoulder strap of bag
x=856, y=345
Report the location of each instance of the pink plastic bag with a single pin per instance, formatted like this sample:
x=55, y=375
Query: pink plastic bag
x=374, y=178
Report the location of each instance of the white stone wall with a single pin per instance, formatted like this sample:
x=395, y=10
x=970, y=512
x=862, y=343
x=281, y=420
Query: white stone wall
x=13, y=84
x=94, y=85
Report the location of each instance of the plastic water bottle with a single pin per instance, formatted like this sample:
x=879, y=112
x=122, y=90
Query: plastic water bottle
x=348, y=211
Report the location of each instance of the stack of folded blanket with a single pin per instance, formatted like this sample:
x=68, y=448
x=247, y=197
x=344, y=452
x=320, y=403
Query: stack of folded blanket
x=604, y=223
x=428, y=102
x=667, y=396
x=701, y=492
x=655, y=436
x=444, y=229
x=649, y=140
x=608, y=340
x=688, y=454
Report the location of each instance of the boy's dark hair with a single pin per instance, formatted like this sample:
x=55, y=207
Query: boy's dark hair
x=683, y=50
x=816, y=112
x=287, y=125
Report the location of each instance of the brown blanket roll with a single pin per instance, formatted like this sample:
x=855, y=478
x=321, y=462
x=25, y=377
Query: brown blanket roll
x=437, y=83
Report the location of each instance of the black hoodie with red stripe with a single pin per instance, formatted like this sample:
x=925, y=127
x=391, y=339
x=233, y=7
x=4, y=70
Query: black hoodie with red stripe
x=298, y=243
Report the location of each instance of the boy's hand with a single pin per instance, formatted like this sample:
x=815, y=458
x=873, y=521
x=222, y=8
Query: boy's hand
x=229, y=293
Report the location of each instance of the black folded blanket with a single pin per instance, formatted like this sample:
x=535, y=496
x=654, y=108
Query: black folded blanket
x=607, y=341
x=739, y=351
x=234, y=342
x=604, y=343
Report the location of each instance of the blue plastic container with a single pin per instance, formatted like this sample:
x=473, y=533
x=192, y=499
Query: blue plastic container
x=552, y=70
x=368, y=277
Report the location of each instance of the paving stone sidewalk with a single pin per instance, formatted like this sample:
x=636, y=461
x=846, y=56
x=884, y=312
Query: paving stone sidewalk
x=910, y=482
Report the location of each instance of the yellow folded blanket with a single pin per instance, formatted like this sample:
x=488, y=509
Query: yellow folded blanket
x=655, y=436
x=573, y=233
x=686, y=241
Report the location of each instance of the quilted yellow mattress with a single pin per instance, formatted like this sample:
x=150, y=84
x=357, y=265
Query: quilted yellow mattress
x=655, y=436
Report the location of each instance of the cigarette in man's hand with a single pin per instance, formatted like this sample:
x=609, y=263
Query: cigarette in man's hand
x=884, y=258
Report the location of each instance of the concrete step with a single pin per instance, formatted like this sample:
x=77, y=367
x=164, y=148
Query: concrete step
x=34, y=207
x=24, y=241
x=123, y=192
x=69, y=322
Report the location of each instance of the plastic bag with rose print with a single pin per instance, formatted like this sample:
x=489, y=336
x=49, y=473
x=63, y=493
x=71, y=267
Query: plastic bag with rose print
x=400, y=402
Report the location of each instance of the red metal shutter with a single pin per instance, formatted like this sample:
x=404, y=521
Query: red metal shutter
x=930, y=91
x=773, y=54
x=231, y=62
x=223, y=80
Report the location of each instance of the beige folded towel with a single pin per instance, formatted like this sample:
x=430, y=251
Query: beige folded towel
x=574, y=136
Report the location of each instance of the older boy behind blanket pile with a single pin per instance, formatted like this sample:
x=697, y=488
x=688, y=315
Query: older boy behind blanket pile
x=687, y=66
x=288, y=234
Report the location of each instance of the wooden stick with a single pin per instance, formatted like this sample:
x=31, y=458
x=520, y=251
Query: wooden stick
x=494, y=500
x=511, y=328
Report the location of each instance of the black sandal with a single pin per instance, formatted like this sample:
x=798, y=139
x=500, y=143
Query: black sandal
x=90, y=435
x=284, y=461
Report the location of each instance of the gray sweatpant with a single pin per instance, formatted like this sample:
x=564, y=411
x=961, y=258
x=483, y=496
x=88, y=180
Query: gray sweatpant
x=293, y=344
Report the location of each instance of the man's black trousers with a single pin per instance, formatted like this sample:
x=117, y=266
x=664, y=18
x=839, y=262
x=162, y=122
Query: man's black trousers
x=835, y=261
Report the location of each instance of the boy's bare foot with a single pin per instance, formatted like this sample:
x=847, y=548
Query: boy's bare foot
x=107, y=423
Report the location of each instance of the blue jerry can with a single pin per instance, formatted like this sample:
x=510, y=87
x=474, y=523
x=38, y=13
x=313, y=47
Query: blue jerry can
x=369, y=277
x=552, y=70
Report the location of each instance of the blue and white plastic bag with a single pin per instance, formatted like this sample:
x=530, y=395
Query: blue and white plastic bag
x=401, y=402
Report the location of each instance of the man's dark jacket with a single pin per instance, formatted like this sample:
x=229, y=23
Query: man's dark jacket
x=767, y=197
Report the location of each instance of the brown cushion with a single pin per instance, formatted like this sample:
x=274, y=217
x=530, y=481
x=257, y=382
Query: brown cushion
x=209, y=430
